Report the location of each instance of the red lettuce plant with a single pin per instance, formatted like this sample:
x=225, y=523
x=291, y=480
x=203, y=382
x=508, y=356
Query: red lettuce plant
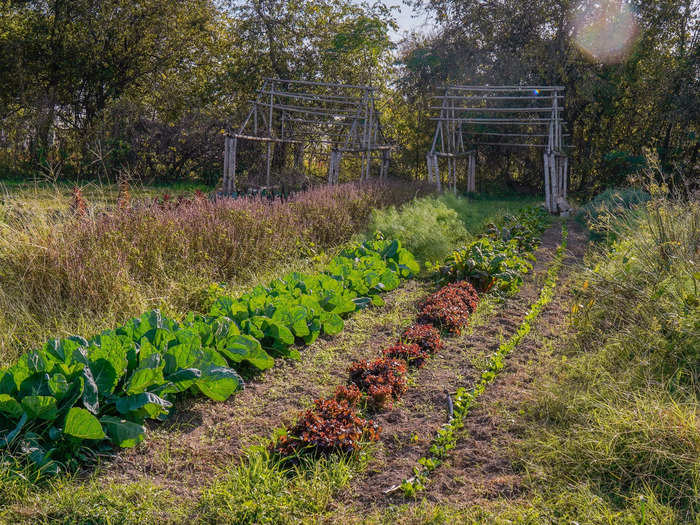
x=450, y=307
x=413, y=354
x=383, y=379
x=349, y=394
x=330, y=426
x=426, y=336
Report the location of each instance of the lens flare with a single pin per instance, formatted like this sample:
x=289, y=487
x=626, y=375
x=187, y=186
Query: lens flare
x=605, y=30
x=536, y=91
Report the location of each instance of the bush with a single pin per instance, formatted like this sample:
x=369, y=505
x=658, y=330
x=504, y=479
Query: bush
x=486, y=263
x=450, y=307
x=611, y=203
x=426, y=226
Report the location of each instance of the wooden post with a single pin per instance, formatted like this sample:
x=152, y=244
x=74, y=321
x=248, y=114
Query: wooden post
x=224, y=182
x=436, y=167
x=232, y=166
x=554, y=182
x=269, y=163
x=547, y=200
x=471, y=173
x=386, y=158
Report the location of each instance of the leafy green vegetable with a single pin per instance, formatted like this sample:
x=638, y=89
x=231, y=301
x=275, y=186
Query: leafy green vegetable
x=40, y=407
x=10, y=407
x=104, y=388
x=83, y=425
x=123, y=433
x=218, y=383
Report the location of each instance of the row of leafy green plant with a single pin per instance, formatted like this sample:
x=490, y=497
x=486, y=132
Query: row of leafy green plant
x=74, y=398
x=500, y=257
x=465, y=399
x=335, y=424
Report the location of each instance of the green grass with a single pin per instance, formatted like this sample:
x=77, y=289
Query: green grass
x=620, y=415
x=262, y=490
x=91, y=501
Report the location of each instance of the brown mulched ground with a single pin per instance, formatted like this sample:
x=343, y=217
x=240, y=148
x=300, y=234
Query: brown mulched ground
x=478, y=468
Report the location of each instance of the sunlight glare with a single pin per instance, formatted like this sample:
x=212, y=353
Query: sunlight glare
x=605, y=30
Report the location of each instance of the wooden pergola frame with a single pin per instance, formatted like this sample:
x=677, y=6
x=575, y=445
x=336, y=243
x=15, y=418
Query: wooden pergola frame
x=503, y=116
x=332, y=119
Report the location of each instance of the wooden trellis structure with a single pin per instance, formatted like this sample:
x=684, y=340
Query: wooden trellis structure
x=503, y=116
x=322, y=119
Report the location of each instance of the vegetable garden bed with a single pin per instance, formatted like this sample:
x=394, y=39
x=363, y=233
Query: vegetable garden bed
x=75, y=397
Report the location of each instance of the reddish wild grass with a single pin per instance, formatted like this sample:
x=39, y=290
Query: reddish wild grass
x=116, y=262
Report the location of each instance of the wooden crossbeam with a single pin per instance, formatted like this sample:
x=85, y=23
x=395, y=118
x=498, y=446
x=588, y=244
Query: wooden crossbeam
x=473, y=114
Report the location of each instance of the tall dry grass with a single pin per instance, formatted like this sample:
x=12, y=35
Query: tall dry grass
x=57, y=275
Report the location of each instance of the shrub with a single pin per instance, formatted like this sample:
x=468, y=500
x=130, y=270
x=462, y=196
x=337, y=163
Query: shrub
x=383, y=380
x=426, y=226
x=330, y=426
x=611, y=203
x=450, y=307
x=426, y=336
x=414, y=355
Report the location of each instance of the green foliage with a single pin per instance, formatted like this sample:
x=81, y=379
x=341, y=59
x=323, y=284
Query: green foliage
x=116, y=61
x=446, y=437
x=646, y=96
x=75, y=392
x=611, y=203
x=619, y=411
x=427, y=227
x=498, y=258
x=302, y=306
x=486, y=263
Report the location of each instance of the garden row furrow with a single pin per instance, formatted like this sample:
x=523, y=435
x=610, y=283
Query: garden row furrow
x=494, y=262
x=465, y=399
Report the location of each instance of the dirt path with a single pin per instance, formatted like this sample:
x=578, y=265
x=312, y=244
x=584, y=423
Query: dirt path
x=185, y=453
x=477, y=467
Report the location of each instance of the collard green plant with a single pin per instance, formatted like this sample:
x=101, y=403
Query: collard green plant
x=498, y=259
x=72, y=397
x=486, y=263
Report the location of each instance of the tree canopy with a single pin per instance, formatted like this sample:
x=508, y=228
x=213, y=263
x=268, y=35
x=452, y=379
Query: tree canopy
x=106, y=88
